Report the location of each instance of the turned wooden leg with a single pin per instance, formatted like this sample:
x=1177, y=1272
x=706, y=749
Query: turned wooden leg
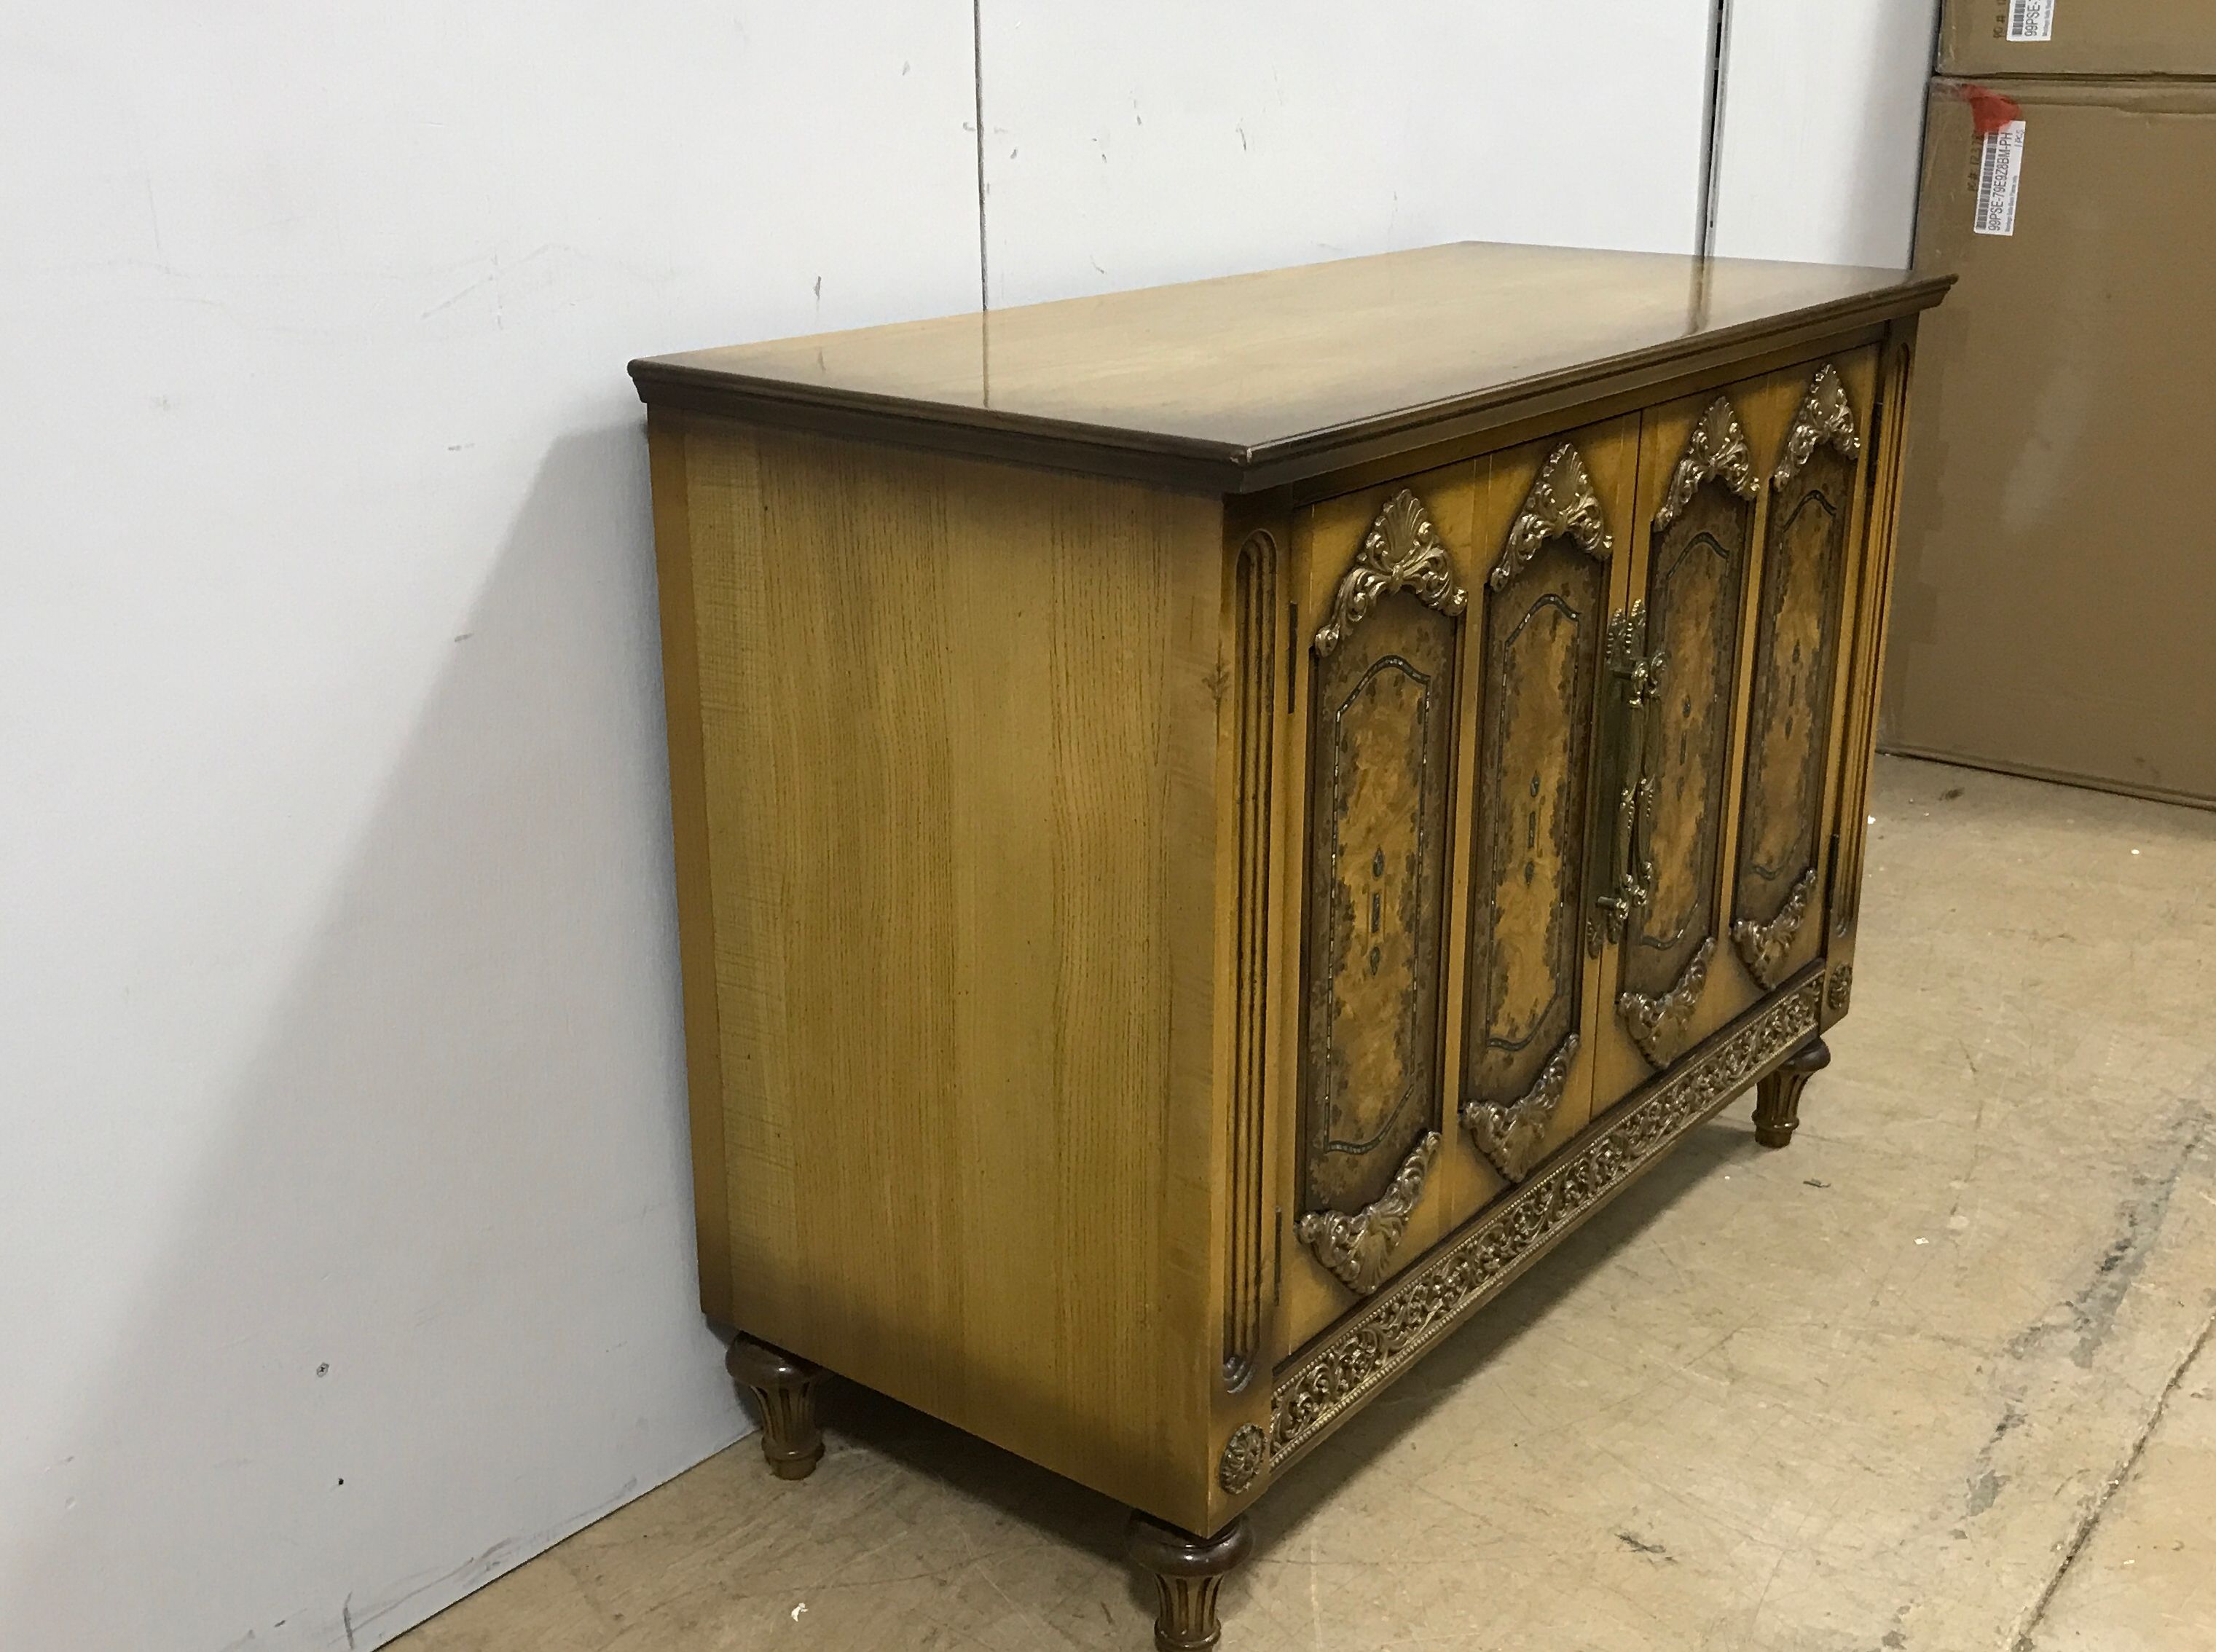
x=1187, y=1571
x=1777, y=1098
x=785, y=1386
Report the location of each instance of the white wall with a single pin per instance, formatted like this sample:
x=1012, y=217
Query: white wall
x=345, y=1249
x=1154, y=140
x=341, y=1133
x=1823, y=129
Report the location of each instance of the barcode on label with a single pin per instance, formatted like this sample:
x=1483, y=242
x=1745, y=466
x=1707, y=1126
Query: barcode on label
x=2000, y=167
x=2031, y=20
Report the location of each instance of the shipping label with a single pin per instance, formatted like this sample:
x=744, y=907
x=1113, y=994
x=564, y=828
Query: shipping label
x=2000, y=167
x=2031, y=20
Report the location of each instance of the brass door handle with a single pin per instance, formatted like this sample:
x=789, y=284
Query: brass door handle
x=1624, y=871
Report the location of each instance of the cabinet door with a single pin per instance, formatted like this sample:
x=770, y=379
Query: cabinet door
x=1381, y=691
x=1791, y=751
x=1674, y=662
x=1524, y=1088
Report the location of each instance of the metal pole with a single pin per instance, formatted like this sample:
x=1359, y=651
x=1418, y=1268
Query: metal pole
x=1712, y=124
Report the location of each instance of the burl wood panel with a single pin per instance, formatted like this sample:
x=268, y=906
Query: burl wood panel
x=1384, y=709
x=1544, y=618
x=957, y=756
x=1776, y=905
x=1331, y=538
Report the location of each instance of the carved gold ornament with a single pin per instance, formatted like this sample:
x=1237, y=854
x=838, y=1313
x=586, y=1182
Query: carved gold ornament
x=1402, y=551
x=1825, y=416
x=1843, y=987
x=1763, y=946
x=1717, y=449
x=1561, y=503
x=1244, y=1454
x=1383, y=1338
x=1658, y=1026
x=1357, y=1248
x=1509, y=1133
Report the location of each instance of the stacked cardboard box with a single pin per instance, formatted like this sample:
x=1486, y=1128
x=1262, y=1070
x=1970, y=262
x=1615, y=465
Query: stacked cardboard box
x=2054, y=603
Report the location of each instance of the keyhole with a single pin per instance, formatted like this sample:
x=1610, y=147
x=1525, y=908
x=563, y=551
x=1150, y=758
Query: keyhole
x=1531, y=837
x=1377, y=910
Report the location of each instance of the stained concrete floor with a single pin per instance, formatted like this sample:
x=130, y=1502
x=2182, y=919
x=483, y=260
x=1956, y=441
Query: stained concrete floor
x=1938, y=1377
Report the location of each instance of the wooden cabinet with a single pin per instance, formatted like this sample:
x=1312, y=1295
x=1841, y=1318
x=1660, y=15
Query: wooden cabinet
x=1215, y=825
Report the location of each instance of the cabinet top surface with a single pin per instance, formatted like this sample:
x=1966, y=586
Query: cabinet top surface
x=1248, y=380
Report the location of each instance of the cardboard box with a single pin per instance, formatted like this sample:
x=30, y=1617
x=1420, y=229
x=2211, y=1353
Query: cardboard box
x=2055, y=601
x=2091, y=37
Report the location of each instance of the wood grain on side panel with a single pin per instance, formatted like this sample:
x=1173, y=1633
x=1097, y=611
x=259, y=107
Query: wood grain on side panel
x=960, y=726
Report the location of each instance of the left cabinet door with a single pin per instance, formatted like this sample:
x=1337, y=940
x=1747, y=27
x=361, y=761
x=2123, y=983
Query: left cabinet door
x=1558, y=511
x=1383, y=574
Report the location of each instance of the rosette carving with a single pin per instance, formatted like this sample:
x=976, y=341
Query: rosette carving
x=1357, y=1248
x=1402, y=551
x=1561, y=503
x=1509, y=1133
x=1763, y=946
x=1825, y=416
x=1658, y=1025
x=1717, y=451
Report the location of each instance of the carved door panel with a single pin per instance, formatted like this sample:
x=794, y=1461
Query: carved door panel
x=1380, y=671
x=1793, y=718
x=1676, y=671
x=1556, y=512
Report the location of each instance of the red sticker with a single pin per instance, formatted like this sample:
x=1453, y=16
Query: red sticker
x=1989, y=111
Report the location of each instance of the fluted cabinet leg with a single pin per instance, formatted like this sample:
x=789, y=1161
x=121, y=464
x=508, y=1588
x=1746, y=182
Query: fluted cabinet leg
x=1187, y=1572
x=785, y=1386
x=1777, y=1098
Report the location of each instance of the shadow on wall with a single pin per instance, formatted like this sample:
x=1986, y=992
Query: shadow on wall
x=432, y=1304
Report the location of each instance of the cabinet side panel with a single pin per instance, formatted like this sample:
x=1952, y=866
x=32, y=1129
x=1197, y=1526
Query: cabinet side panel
x=1866, y=662
x=696, y=941
x=960, y=725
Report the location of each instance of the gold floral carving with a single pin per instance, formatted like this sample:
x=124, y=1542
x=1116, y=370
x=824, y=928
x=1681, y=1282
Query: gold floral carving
x=1510, y=1133
x=1561, y=503
x=1717, y=449
x=1357, y=1248
x=1383, y=1339
x=1402, y=551
x=1244, y=1454
x=1658, y=1026
x=1825, y=416
x=1843, y=987
x=1763, y=946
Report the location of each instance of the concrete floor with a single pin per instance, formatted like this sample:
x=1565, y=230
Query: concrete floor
x=1937, y=1377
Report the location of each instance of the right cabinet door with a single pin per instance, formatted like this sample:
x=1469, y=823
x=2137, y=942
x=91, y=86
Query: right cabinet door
x=1811, y=538
x=1718, y=753
x=1674, y=672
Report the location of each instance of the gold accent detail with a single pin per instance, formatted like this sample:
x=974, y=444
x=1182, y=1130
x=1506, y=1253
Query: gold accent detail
x=1509, y=1133
x=1244, y=1454
x=1763, y=946
x=1717, y=448
x=1402, y=551
x=1628, y=877
x=1842, y=989
x=1383, y=1338
x=1658, y=1025
x=1357, y=1248
x=1561, y=503
x=1825, y=416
